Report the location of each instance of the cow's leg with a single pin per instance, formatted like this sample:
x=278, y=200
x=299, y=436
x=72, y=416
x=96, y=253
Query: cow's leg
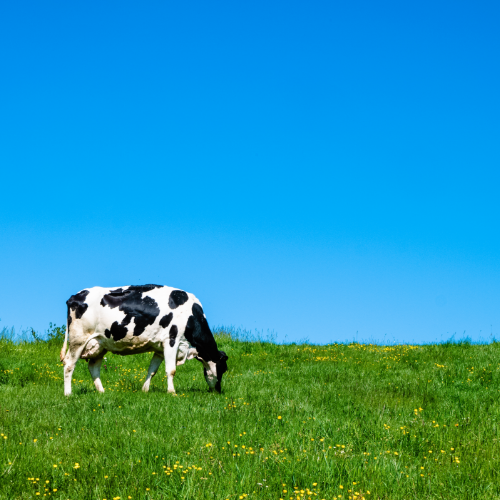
x=153, y=367
x=95, y=371
x=69, y=367
x=72, y=356
x=170, y=365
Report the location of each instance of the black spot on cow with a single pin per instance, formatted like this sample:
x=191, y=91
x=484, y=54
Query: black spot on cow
x=77, y=304
x=130, y=301
x=113, y=298
x=172, y=335
x=165, y=321
x=198, y=334
x=146, y=288
x=177, y=298
x=117, y=330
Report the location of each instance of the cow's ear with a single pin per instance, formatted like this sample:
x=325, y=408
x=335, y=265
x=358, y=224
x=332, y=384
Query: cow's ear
x=223, y=356
x=193, y=353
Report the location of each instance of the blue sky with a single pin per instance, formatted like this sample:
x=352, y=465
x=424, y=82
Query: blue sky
x=320, y=170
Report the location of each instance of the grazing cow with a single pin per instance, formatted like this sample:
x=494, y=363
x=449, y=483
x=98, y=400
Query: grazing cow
x=136, y=319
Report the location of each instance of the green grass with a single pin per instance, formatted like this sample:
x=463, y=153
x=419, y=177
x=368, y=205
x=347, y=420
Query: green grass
x=337, y=421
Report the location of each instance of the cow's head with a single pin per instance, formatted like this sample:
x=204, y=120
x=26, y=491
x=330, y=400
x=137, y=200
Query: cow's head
x=213, y=370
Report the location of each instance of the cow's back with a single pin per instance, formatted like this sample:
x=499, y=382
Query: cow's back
x=129, y=311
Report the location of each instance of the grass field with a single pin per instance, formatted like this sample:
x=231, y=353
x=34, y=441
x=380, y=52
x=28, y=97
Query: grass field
x=293, y=422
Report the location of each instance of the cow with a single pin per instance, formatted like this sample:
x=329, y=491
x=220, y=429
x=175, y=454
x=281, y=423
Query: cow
x=136, y=319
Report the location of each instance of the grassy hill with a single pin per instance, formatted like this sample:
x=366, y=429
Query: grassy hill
x=293, y=422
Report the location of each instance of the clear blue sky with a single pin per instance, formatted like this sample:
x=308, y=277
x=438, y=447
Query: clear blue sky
x=315, y=169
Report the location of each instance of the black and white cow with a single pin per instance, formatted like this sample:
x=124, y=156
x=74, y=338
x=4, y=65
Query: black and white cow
x=137, y=319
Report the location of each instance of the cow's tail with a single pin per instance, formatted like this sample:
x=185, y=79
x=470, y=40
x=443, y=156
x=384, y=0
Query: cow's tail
x=65, y=345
